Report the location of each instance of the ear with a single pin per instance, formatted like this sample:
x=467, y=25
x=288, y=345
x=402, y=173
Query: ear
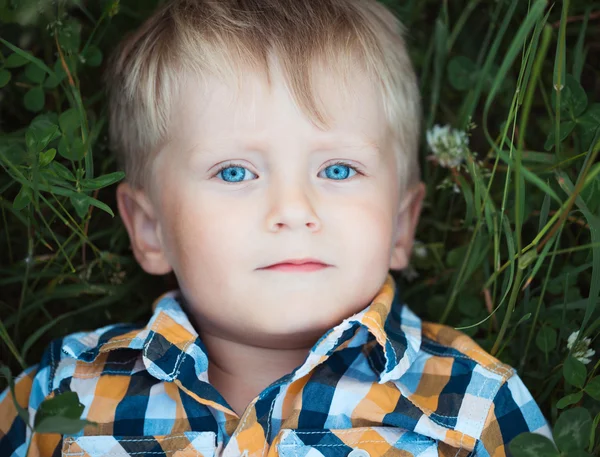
x=406, y=224
x=139, y=216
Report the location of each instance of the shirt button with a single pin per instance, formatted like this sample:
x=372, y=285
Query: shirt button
x=358, y=453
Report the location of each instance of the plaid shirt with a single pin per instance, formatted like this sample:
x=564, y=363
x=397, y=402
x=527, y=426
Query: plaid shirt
x=381, y=383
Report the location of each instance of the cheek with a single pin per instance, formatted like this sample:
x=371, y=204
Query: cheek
x=205, y=236
x=184, y=229
x=369, y=222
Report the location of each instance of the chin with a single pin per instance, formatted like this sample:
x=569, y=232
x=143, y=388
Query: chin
x=299, y=325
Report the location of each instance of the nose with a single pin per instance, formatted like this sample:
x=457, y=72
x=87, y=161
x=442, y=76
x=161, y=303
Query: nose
x=293, y=205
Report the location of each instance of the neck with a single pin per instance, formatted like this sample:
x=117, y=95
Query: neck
x=240, y=372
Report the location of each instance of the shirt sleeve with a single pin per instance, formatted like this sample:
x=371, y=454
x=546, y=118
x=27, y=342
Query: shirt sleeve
x=13, y=430
x=32, y=387
x=514, y=411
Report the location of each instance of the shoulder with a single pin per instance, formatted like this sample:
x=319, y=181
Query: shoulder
x=458, y=387
x=80, y=354
x=446, y=342
x=86, y=354
x=70, y=363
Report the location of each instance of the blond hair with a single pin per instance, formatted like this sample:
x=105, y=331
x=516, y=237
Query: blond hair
x=223, y=37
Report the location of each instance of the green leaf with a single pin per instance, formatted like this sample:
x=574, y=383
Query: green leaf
x=62, y=425
x=524, y=318
x=47, y=156
x=532, y=445
x=461, y=72
x=81, y=203
x=49, y=116
x=69, y=36
x=595, y=424
x=34, y=99
x=27, y=56
x=527, y=258
x=574, y=372
x=578, y=100
x=40, y=133
x=572, y=429
x=546, y=339
x=62, y=405
x=593, y=388
x=588, y=124
x=569, y=400
x=69, y=121
x=578, y=453
x=103, y=181
x=73, y=150
x=92, y=56
x=573, y=99
x=5, y=76
x=14, y=153
x=59, y=69
x=34, y=73
x=103, y=206
x=62, y=172
x=51, y=82
x=591, y=193
x=15, y=60
x=54, y=79
x=60, y=414
x=564, y=129
x=23, y=198
x=112, y=8
x=455, y=256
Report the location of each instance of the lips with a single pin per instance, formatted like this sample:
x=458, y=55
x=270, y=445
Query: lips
x=303, y=261
x=297, y=265
x=291, y=267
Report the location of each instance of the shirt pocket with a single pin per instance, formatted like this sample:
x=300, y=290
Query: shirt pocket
x=358, y=442
x=186, y=444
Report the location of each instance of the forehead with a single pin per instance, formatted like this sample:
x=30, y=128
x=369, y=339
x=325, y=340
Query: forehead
x=256, y=108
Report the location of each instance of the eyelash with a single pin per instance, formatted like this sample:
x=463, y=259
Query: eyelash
x=340, y=162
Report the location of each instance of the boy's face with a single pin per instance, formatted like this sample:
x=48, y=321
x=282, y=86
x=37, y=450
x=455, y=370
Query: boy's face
x=283, y=200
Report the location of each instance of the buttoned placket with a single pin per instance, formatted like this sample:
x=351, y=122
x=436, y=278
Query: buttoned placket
x=231, y=448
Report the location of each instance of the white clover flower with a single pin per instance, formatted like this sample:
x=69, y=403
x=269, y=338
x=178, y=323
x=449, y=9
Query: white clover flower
x=420, y=249
x=409, y=273
x=449, y=146
x=571, y=340
x=581, y=351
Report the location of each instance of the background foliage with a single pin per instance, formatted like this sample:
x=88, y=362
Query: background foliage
x=509, y=240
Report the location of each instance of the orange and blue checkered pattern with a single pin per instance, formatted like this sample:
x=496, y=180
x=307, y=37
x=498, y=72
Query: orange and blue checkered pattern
x=381, y=383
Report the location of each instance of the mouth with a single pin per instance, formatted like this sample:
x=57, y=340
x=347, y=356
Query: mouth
x=297, y=265
x=292, y=267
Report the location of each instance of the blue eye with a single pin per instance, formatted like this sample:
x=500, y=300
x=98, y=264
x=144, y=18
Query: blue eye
x=236, y=172
x=338, y=170
x=233, y=171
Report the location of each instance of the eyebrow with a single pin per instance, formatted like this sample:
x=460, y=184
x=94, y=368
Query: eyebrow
x=321, y=146
x=369, y=145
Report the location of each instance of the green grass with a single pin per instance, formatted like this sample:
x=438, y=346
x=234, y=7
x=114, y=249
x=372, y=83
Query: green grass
x=512, y=258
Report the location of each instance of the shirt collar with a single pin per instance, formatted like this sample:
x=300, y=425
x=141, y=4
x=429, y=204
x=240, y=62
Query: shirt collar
x=169, y=335
x=395, y=328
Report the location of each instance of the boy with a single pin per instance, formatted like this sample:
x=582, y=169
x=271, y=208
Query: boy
x=270, y=148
